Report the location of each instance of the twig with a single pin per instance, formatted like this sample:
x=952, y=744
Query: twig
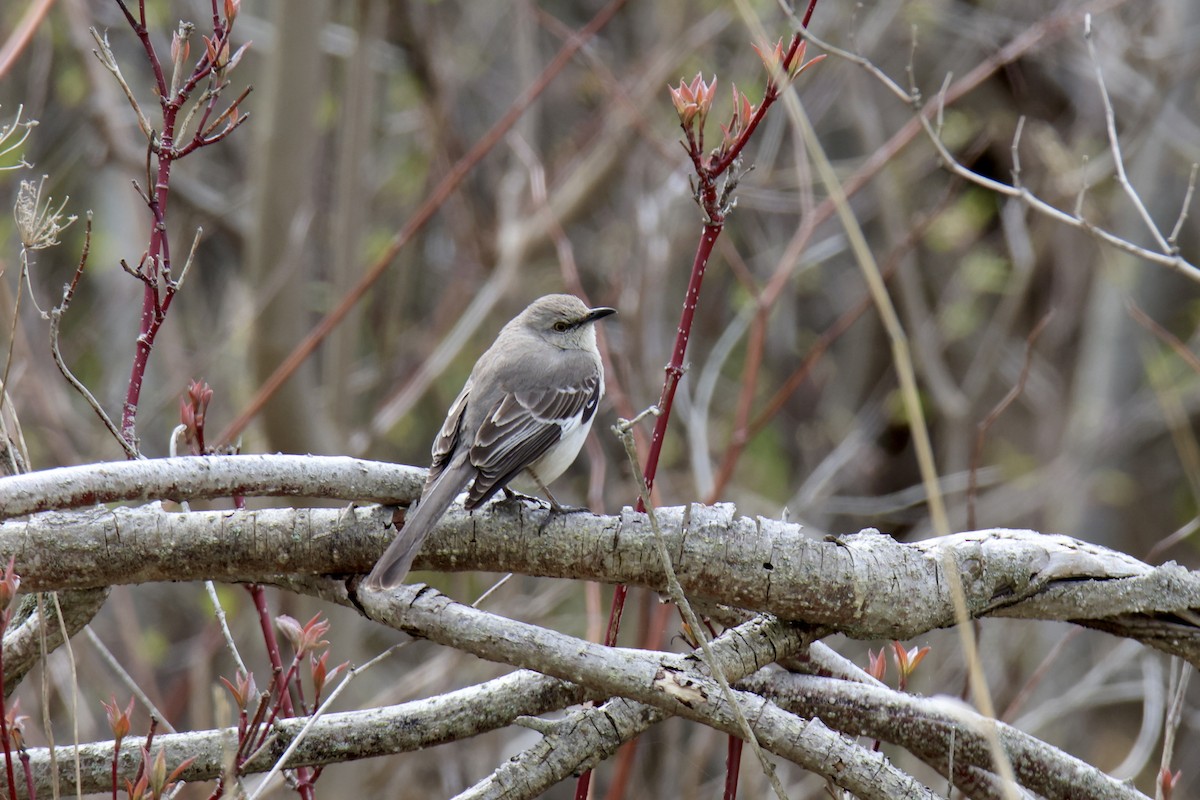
x=986, y=424
x=1174, y=717
x=623, y=430
x=187, y=265
x=975, y=674
x=1110, y=123
x=74, y=693
x=1173, y=239
x=128, y=680
x=1075, y=220
x=106, y=57
x=56, y=315
x=154, y=268
x=211, y=589
x=1083, y=189
x=1010, y=52
x=1016, y=152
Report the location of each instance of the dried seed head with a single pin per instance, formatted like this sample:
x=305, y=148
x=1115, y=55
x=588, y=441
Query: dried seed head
x=38, y=222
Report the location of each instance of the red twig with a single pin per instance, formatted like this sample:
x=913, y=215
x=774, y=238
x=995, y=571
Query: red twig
x=154, y=269
x=142, y=765
x=733, y=767
x=693, y=103
x=8, y=765
x=8, y=593
x=282, y=679
x=27, y=765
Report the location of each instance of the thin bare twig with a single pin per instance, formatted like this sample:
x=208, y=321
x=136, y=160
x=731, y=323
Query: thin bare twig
x=1166, y=258
x=1173, y=239
x=623, y=429
x=109, y=60
x=1016, y=152
x=1114, y=143
x=1174, y=717
x=56, y=315
x=986, y=424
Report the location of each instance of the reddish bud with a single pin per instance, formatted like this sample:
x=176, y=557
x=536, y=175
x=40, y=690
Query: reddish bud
x=193, y=409
x=210, y=49
x=181, y=48
x=907, y=660
x=321, y=672
x=1167, y=781
x=232, y=7
x=304, y=638
x=158, y=773
x=798, y=64
x=772, y=58
x=10, y=583
x=877, y=664
x=244, y=690
x=118, y=720
x=16, y=724
x=693, y=101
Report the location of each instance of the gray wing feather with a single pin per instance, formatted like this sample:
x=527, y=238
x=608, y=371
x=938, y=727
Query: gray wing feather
x=448, y=437
x=522, y=428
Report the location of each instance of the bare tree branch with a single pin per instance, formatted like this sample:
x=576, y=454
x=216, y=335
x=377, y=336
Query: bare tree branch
x=336, y=737
x=866, y=585
x=195, y=478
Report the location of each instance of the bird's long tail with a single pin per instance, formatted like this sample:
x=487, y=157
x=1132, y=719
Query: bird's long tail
x=393, y=565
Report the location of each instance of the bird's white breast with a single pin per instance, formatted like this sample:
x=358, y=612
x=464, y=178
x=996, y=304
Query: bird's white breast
x=555, y=462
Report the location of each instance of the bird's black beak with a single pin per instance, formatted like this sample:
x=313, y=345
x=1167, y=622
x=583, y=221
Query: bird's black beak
x=598, y=313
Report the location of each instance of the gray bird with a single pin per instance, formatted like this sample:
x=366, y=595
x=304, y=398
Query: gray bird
x=522, y=416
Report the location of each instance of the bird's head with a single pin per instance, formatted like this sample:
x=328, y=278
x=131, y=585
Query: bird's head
x=564, y=321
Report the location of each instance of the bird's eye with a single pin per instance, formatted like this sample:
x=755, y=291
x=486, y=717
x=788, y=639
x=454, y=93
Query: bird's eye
x=561, y=326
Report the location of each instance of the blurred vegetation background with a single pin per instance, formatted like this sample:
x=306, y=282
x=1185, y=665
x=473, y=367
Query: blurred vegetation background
x=359, y=108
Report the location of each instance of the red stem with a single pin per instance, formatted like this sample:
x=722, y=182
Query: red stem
x=304, y=784
x=8, y=765
x=710, y=201
x=733, y=765
x=30, y=792
x=157, y=260
x=674, y=370
x=116, y=757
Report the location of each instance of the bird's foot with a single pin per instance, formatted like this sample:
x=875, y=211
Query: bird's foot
x=557, y=509
x=514, y=498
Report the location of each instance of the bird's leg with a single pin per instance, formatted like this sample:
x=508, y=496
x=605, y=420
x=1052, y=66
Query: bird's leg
x=512, y=496
x=555, y=506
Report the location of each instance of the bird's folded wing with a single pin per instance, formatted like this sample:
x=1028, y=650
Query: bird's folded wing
x=448, y=436
x=522, y=428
